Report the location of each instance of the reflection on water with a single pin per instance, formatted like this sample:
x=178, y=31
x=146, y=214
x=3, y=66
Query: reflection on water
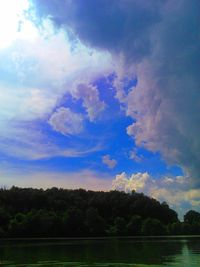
x=171, y=251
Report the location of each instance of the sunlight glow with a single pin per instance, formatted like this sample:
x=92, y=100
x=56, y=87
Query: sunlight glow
x=13, y=24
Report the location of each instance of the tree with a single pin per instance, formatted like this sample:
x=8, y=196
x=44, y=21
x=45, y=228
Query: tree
x=153, y=227
x=175, y=228
x=120, y=225
x=73, y=222
x=94, y=222
x=134, y=225
x=28, y=212
x=18, y=226
x=4, y=221
x=192, y=217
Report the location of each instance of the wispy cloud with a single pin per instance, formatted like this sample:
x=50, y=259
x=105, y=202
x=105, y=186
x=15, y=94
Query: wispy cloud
x=36, y=73
x=66, y=122
x=27, y=141
x=87, y=179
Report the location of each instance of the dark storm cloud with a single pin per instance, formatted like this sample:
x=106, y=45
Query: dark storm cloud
x=116, y=26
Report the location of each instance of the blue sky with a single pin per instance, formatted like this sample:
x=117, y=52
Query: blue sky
x=101, y=95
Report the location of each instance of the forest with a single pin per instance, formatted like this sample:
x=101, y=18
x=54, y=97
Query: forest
x=28, y=213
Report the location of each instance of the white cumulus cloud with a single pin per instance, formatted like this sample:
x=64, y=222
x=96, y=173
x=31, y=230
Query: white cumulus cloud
x=177, y=191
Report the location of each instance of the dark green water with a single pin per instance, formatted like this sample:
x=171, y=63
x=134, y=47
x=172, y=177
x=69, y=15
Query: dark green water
x=171, y=251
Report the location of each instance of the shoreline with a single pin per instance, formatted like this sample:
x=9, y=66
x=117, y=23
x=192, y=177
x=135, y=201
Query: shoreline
x=99, y=238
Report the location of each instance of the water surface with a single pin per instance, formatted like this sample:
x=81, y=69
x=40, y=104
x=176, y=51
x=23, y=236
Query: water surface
x=141, y=252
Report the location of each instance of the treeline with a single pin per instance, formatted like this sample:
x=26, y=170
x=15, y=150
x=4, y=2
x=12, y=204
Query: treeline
x=77, y=213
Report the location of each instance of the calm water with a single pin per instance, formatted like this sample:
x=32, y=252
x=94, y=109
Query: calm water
x=171, y=251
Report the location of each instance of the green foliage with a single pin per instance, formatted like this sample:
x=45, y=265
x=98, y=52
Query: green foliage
x=120, y=226
x=175, y=228
x=2, y=233
x=134, y=225
x=95, y=223
x=68, y=213
x=192, y=217
x=153, y=227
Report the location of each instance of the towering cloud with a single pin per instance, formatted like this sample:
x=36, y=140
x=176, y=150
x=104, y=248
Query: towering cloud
x=159, y=42
x=166, y=100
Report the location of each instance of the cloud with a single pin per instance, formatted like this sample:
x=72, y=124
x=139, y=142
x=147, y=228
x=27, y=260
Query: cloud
x=91, y=101
x=111, y=163
x=86, y=179
x=134, y=155
x=26, y=141
x=39, y=68
x=136, y=182
x=116, y=26
x=47, y=68
x=65, y=121
x=122, y=28
x=165, y=102
x=158, y=41
x=177, y=191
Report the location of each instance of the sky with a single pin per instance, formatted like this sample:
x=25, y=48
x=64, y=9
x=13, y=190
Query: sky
x=102, y=95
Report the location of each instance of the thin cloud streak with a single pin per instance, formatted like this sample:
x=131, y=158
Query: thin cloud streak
x=86, y=179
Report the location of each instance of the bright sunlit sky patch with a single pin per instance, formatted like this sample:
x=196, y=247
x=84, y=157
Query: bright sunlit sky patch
x=13, y=24
x=100, y=97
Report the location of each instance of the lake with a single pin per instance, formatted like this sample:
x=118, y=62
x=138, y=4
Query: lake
x=140, y=252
